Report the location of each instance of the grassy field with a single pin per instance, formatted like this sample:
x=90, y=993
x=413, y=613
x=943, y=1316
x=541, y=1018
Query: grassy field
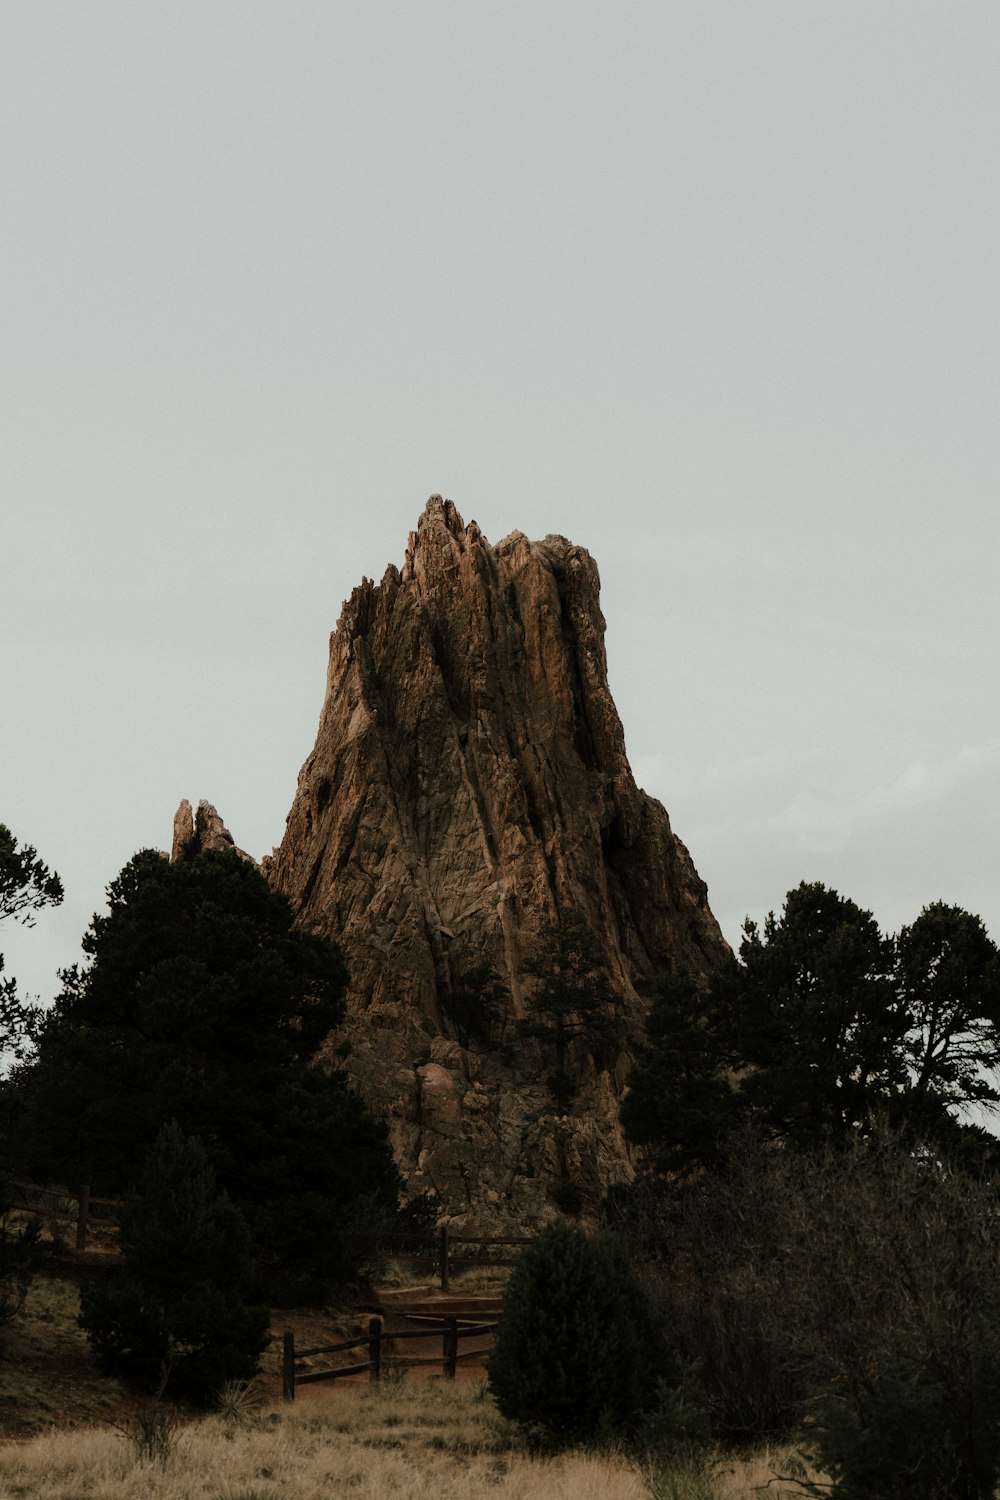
x=69, y=1433
x=431, y=1438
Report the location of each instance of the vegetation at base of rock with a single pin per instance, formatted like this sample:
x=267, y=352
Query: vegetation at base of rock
x=20, y=1258
x=580, y=1349
x=815, y=1216
x=478, y=1006
x=850, y=1294
x=821, y=1025
x=201, y=1004
x=178, y=1311
x=572, y=1003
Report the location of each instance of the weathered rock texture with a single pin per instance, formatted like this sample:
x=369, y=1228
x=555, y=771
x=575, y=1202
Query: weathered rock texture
x=469, y=781
x=194, y=835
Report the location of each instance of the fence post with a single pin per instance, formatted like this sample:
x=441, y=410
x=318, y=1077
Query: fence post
x=288, y=1366
x=375, y=1347
x=82, y=1217
x=450, y=1347
x=444, y=1257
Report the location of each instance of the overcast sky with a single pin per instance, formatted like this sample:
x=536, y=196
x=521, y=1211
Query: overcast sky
x=709, y=286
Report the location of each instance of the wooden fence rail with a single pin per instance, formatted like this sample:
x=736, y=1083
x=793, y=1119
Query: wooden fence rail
x=29, y=1196
x=452, y=1331
x=439, y=1251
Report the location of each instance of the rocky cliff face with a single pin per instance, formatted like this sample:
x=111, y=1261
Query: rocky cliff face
x=468, y=783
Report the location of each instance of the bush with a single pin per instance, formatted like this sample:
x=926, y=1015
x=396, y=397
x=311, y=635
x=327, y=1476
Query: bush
x=716, y=1266
x=19, y=1257
x=178, y=1311
x=581, y=1347
x=900, y=1276
x=853, y=1292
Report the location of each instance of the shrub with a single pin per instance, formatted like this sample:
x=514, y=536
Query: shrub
x=19, y=1257
x=178, y=1310
x=581, y=1346
x=899, y=1271
x=857, y=1287
x=716, y=1266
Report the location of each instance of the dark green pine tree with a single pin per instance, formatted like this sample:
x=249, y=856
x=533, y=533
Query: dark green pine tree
x=581, y=1347
x=179, y=1311
x=202, y=1004
x=573, y=1002
x=822, y=1025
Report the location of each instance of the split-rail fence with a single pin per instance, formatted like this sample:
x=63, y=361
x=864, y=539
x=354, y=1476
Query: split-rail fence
x=380, y=1342
x=445, y=1249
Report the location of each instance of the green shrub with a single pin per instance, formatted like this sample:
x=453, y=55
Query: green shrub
x=20, y=1253
x=581, y=1347
x=853, y=1292
x=178, y=1310
x=718, y=1269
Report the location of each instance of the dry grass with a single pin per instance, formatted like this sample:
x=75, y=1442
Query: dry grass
x=416, y=1438
x=432, y=1438
x=47, y=1373
x=473, y=1279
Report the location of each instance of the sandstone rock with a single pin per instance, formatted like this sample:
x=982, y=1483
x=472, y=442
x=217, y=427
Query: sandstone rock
x=193, y=835
x=469, y=781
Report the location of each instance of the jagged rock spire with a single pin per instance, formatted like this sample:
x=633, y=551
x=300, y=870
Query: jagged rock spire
x=469, y=781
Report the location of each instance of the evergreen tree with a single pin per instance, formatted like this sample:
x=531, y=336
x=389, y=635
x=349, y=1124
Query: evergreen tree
x=477, y=1006
x=26, y=886
x=581, y=1348
x=572, y=1002
x=201, y=1003
x=822, y=1025
x=179, y=1309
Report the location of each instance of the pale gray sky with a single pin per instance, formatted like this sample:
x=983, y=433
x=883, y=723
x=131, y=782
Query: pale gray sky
x=709, y=286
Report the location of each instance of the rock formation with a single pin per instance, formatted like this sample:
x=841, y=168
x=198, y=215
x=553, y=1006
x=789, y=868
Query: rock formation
x=194, y=835
x=469, y=782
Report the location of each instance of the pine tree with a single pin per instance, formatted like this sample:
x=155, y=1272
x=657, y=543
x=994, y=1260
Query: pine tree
x=201, y=1003
x=581, y=1347
x=573, y=1002
x=179, y=1311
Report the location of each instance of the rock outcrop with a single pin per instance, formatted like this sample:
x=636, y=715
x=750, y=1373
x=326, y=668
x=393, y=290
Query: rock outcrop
x=196, y=834
x=469, y=782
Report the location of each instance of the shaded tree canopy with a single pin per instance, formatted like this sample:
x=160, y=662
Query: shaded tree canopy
x=573, y=999
x=26, y=883
x=26, y=886
x=477, y=1006
x=178, y=1307
x=200, y=1003
x=820, y=1024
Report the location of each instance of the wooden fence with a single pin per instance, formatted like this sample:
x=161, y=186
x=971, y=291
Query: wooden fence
x=440, y=1248
x=58, y=1203
x=379, y=1359
x=440, y=1251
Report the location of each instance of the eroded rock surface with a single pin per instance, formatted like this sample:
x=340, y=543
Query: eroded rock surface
x=195, y=834
x=469, y=781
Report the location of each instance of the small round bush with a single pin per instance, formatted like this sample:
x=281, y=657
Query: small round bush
x=580, y=1349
